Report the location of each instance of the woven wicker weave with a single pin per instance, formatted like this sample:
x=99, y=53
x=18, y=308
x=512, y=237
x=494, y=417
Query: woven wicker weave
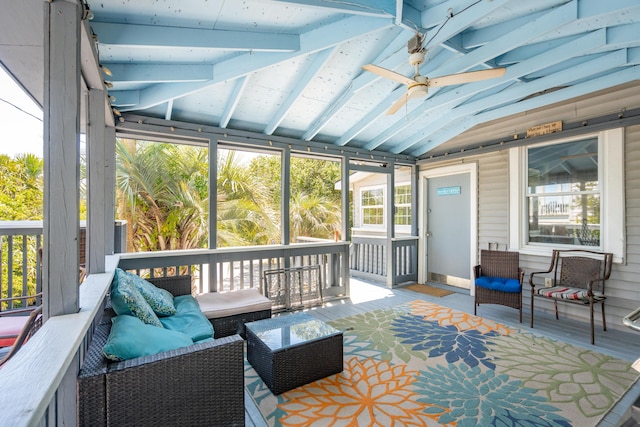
x=198, y=385
x=504, y=264
x=225, y=326
x=579, y=270
x=294, y=365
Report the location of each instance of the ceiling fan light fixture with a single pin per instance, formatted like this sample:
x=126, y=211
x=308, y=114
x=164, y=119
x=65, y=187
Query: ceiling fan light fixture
x=418, y=91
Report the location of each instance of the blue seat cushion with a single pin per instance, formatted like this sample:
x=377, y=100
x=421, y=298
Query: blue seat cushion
x=500, y=284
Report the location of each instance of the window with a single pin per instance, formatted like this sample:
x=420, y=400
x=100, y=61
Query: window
x=403, y=204
x=372, y=206
x=569, y=193
x=563, y=195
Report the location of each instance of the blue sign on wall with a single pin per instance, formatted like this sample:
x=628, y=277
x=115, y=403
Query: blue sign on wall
x=447, y=191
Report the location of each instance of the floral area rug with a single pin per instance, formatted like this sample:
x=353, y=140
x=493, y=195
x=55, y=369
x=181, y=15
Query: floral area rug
x=422, y=364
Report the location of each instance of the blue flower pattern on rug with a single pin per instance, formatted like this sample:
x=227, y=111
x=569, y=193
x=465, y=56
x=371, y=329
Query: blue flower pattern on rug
x=477, y=398
x=448, y=341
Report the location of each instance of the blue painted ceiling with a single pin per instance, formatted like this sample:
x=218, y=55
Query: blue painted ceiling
x=294, y=67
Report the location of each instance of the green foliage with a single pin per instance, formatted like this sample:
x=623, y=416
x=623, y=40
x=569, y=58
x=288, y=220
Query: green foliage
x=21, y=188
x=160, y=192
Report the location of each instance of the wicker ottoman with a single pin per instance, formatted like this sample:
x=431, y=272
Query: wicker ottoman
x=290, y=351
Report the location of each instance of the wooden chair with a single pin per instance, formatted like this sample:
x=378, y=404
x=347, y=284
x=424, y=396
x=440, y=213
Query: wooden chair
x=32, y=324
x=578, y=277
x=498, y=280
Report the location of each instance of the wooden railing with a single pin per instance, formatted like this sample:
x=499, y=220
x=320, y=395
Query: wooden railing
x=368, y=259
x=20, y=269
x=229, y=269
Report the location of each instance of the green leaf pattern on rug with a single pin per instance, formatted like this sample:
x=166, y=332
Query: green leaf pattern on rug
x=566, y=373
x=376, y=327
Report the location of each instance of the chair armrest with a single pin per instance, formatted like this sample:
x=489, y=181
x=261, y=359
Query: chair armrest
x=477, y=271
x=533, y=285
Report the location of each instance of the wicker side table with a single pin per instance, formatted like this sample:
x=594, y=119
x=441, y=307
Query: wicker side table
x=290, y=351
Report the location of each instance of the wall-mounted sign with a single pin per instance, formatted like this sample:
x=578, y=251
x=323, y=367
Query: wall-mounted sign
x=544, y=129
x=447, y=191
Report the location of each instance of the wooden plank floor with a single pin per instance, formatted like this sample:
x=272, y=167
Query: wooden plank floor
x=616, y=341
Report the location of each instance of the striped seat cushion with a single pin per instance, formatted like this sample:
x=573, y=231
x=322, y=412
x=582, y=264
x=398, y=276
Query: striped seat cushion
x=563, y=292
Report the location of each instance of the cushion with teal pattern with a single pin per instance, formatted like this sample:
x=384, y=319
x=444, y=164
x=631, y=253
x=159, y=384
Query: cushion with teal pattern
x=131, y=338
x=160, y=300
x=127, y=299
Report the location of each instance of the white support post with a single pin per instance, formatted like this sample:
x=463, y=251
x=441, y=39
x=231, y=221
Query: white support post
x=284, y=202
x=61, y=157
x=390, y=214
x=97, y=229
x=346, y=231
x=110, y=189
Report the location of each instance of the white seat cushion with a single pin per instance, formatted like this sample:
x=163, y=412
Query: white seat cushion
x=215, y=305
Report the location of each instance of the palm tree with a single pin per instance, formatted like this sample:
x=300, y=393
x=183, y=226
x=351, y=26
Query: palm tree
x=313, y=216
x=163, y=194
x=246, y=215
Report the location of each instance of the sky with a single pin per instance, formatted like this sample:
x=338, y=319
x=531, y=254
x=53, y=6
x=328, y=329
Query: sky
x=21, y=131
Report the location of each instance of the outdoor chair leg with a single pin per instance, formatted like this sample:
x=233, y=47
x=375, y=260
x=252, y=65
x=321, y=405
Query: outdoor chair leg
x=604, y=322
x=532, y=298
x=593, y=338
x=555, y=303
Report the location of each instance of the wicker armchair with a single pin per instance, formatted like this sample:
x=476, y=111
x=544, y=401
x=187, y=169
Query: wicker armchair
x=498, y=280
x=578, y=278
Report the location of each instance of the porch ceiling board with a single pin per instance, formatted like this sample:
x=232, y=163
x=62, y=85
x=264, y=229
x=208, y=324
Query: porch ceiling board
x=251, y=66
x=239, y=66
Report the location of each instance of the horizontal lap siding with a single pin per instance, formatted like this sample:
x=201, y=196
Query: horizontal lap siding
x=493, y=199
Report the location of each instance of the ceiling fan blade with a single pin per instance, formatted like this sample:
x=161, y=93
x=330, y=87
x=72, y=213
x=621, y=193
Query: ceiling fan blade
x=400, y=102
x=472, y=76
x=388, y=74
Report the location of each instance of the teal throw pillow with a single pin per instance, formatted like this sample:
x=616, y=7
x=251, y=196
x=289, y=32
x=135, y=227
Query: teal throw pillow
x=127, y=299
x=189, y=319
x=131, y=338
x=160, y=300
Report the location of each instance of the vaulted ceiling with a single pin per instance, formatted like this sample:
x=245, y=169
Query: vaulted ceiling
x=293, y=68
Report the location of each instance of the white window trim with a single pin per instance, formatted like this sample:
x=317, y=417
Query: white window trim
x=402, y=228
x=364, y=226
x=611, y=179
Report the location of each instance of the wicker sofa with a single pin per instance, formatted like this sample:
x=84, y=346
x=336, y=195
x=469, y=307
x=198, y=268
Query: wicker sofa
x=198, y=385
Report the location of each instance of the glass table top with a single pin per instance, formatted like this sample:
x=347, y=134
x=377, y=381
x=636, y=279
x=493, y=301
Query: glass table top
x=287, y=331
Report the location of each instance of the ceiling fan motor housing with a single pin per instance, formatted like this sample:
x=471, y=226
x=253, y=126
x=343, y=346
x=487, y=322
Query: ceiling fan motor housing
x=416, y=58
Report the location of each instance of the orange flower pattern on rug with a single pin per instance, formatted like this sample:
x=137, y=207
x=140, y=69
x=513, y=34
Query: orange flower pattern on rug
x=463, y=321
x=368, y=393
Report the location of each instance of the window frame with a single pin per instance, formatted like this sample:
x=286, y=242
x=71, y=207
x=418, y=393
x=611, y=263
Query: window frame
x=612, y=202
x=402, y=227
x=362, y=207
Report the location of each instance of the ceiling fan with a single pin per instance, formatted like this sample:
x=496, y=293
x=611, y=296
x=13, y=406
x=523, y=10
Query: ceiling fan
x=418, y=86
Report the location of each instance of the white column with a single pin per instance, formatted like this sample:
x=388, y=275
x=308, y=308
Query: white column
x=61, y=156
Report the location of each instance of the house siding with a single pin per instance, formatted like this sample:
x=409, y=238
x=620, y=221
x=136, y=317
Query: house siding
x=623, y=288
